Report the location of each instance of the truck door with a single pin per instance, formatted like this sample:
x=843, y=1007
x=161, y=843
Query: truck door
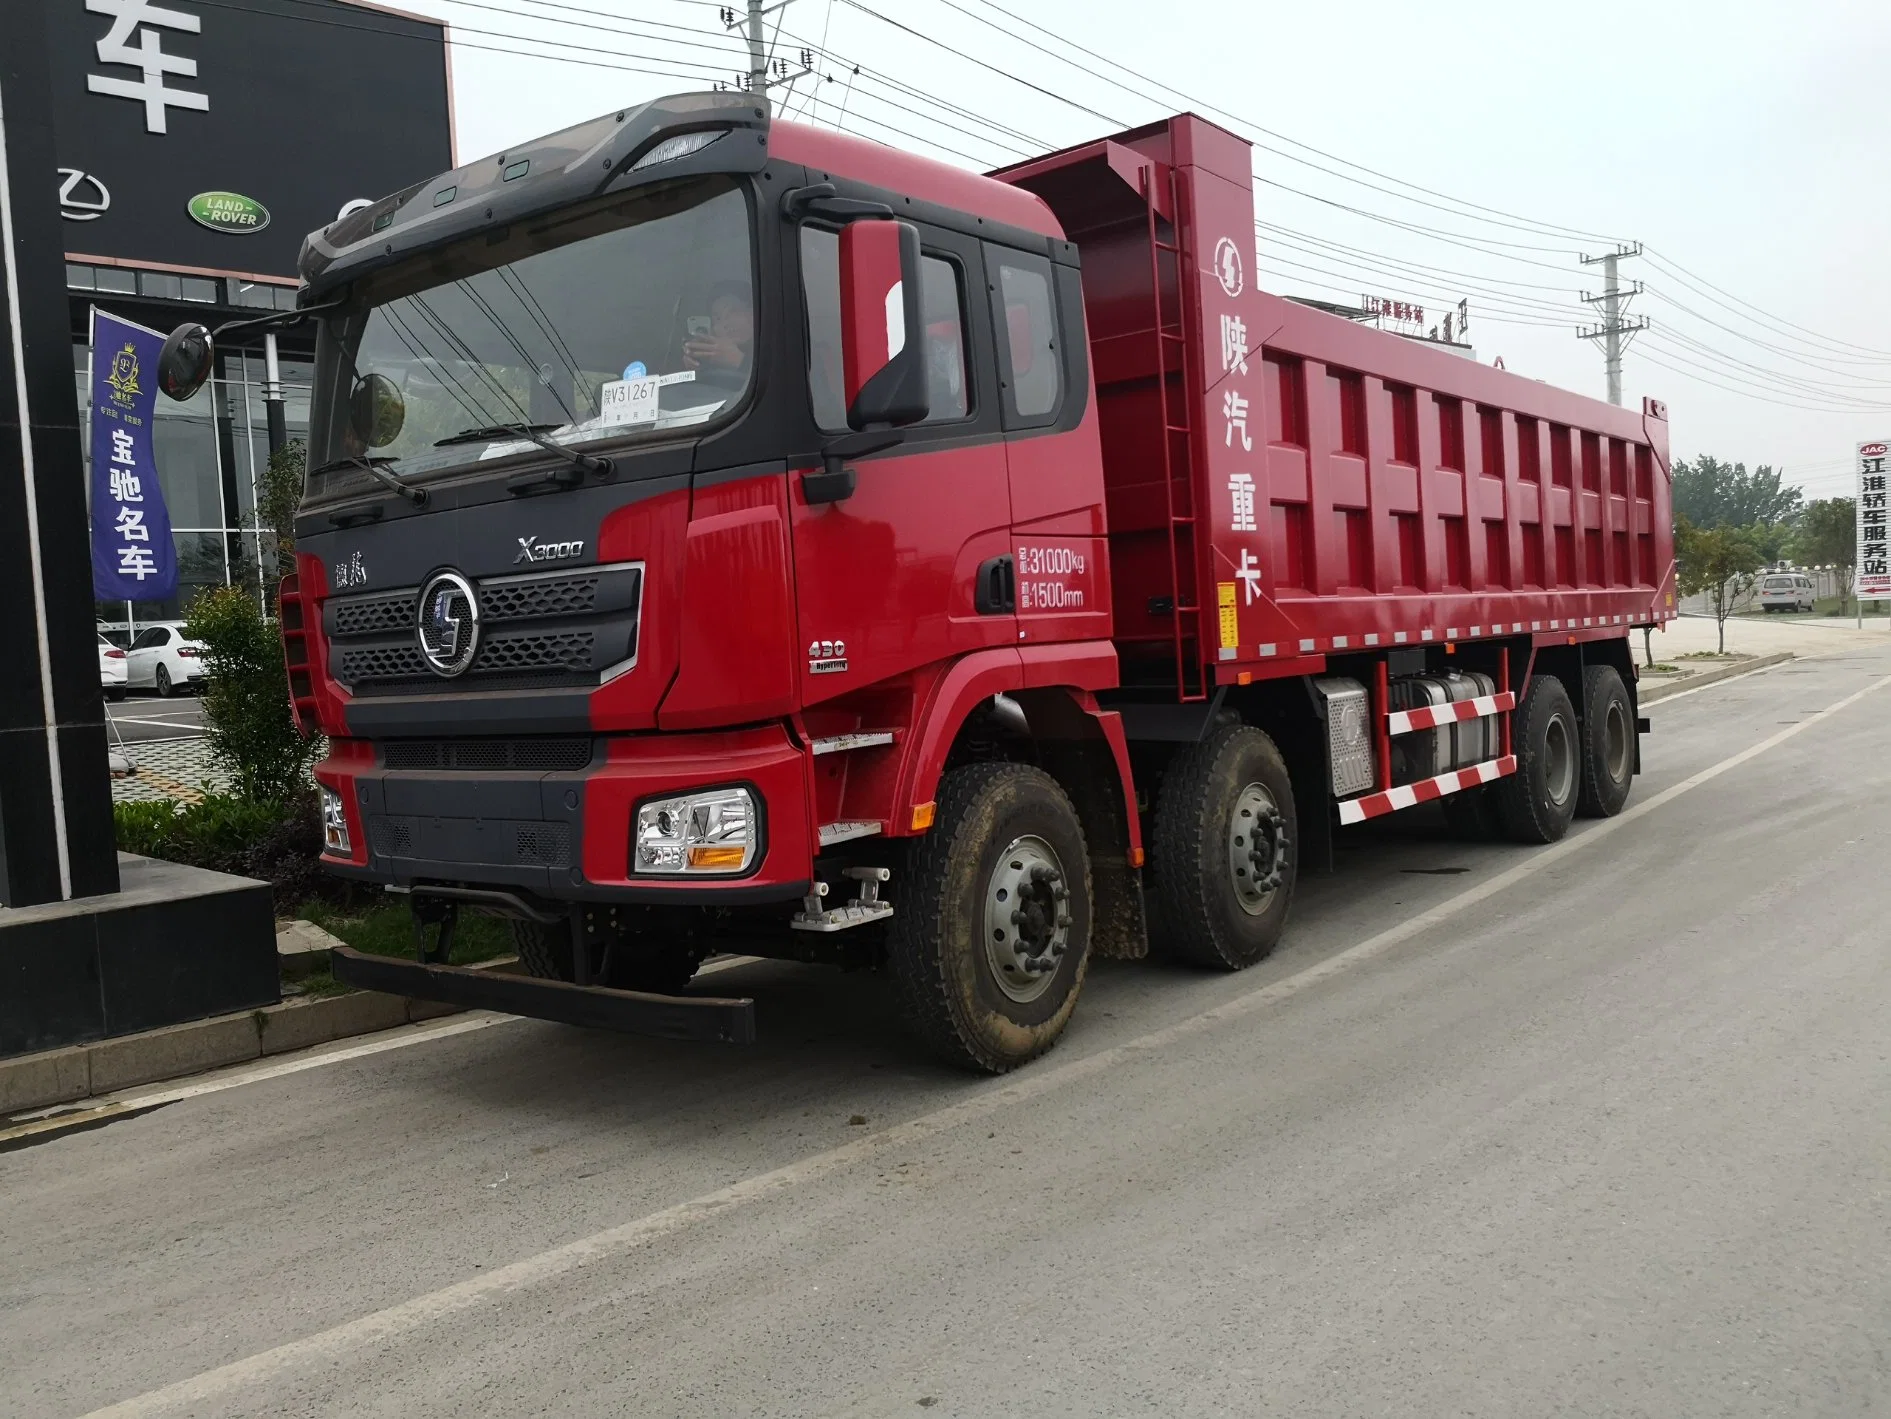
x=1054, y=470
x=888, y=578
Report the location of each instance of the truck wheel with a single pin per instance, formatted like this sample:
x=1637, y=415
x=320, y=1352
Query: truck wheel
x=1608, y=743
x=990, y=938
x=545, y=951
x=1224, y=850
x=1539, y=799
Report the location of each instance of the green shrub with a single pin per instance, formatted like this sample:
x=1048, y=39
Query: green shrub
x=271, y=842
x=145, y=828
x=246, y=701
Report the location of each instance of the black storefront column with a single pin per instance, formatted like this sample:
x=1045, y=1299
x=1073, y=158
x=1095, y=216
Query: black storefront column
x=56, y=835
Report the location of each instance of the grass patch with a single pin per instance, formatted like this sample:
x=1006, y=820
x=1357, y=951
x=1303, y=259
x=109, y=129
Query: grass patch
x=387, y=929
x=316, y=985
x=1709, y=655
x=1661, y=668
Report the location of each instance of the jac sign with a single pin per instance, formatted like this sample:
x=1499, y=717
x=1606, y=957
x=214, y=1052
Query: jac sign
x=1874, y=545
x=213, y=136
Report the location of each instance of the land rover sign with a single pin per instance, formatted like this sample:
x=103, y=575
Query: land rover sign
x=228, y=212
x=213, y=135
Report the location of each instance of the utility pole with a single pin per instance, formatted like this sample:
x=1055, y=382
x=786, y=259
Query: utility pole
x=1614, y=332
x=756, y=79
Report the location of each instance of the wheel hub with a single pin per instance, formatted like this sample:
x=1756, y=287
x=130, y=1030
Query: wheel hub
x=1027, y=918
x=1257, y=848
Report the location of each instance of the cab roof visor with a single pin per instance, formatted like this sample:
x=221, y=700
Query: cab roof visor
x=607, y=154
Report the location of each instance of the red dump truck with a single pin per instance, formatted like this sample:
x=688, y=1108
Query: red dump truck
x=725, y=534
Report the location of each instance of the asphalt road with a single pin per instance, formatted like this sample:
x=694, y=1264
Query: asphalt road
x=142, y=715
x=1600, y=1129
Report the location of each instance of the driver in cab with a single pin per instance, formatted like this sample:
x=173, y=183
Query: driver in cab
x=730, y=341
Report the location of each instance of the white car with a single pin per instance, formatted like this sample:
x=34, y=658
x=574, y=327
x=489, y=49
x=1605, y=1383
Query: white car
x=1787, y=591
x=163, y=660
x=113, y=669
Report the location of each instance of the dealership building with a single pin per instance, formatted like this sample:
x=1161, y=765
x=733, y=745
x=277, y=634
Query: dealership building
x=198, y=142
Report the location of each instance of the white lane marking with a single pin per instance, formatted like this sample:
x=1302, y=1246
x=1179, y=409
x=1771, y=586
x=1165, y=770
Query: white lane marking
x=401, y=1038
x=157, y=723
x=381, y=1327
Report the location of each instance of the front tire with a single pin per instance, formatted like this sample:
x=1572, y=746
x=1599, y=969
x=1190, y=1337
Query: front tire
x=1224, y=850
x=1539, y=799
x=1608, y=743
x=990, y=939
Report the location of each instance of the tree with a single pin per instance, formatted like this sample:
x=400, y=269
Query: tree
x=1827, y=536
x=1709, y=493
x=246, y=703
x=1719, y=562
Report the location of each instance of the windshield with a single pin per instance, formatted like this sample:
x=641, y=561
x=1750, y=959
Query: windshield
x=619, y=321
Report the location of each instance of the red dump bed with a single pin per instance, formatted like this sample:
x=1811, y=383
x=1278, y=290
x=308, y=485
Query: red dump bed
x=1282, y=482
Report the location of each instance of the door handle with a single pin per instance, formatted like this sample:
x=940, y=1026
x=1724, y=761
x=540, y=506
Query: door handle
x=996, y=592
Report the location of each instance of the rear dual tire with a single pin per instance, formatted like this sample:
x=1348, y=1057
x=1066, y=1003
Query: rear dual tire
x=1608, y=743
x=1224, y=851
x=1538, y=800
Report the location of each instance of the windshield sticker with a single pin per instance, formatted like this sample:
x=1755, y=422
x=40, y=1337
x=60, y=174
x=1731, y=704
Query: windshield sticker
x=635, y=370
x=629, y=401
x=680, y=377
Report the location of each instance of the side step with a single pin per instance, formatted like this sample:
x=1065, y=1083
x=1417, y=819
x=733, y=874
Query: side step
x=864, y=908
x=629, y=1012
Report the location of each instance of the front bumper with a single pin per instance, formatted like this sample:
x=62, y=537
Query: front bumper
x=566, y=835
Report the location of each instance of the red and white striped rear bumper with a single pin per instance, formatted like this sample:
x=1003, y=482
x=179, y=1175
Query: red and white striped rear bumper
x=1375, y=805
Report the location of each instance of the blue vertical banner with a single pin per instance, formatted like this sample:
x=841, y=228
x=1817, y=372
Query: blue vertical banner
x=133, y=556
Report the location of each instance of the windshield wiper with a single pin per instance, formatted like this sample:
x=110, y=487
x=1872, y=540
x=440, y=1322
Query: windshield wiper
x=589, y=462
x=377, y=468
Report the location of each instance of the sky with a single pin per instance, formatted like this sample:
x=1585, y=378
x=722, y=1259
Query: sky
x=1743, y=144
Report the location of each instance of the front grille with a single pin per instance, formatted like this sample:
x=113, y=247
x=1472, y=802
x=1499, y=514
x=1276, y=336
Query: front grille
x=373, y=615
x=549, y=596
x=570, y=650
x=560, y=755
x=528, y=637
x=378, y=662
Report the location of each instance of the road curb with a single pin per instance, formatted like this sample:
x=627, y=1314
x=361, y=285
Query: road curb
x=1653, y=694
x=62, y=1076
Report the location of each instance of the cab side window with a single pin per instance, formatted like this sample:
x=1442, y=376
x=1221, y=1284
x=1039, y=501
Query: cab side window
x=942, y=312
x=1024, y=312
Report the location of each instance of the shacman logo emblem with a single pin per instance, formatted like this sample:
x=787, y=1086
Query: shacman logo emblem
x=447, y=623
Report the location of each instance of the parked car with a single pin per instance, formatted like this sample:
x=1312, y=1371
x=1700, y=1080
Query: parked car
x=162, y=659
x=113, y=669
x=1787, y=591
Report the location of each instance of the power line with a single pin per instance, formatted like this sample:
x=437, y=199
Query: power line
x=1207, y=107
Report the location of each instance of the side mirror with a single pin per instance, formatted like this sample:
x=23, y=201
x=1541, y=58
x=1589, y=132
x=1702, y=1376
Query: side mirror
x=376, y=410
x=185, y=362
x=883, y=347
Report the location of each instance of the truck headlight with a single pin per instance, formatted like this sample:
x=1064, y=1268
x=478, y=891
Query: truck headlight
x=715, y=831
x=334, y=824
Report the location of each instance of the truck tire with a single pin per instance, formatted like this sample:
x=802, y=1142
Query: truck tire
x=1608, y=743
x=1539, y=799
x=545, y=951
x=990, y=936
x=1224, y=850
